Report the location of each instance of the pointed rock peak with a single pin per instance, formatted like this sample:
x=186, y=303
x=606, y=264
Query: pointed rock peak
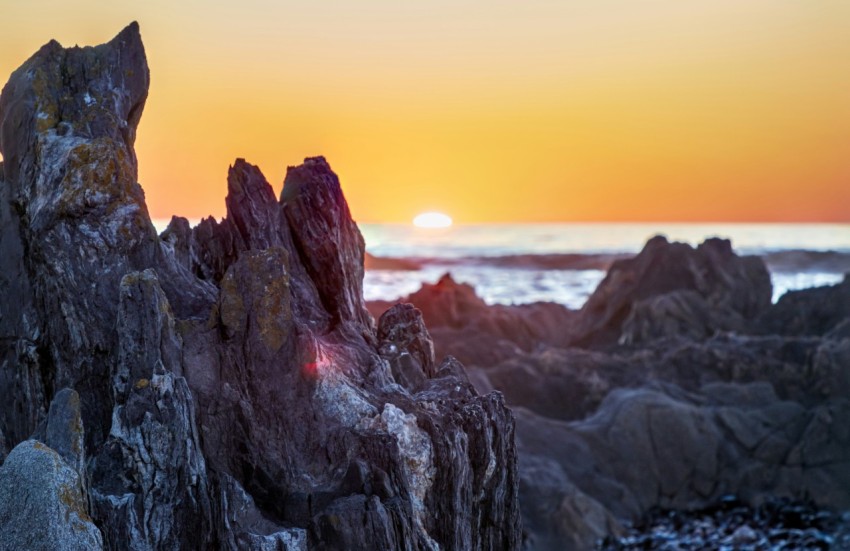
x=656, y=241
x=90, y=93
x=129, y=35
x=315, y=172
x=246, y=180
x=251, y=205
x=331, y=247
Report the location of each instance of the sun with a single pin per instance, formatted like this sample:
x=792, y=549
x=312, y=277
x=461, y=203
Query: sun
x=432, y=220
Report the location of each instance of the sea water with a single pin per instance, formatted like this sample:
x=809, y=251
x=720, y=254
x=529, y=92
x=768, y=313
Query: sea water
x=494, y=258
x=463, y=252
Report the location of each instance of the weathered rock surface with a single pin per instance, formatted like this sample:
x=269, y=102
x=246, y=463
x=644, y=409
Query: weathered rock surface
x=673, y=289
x=404, y=341
x=42, y=505
x=711, y=391
x=233, y=387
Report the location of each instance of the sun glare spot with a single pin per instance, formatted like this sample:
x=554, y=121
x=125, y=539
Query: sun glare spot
x=432, y=220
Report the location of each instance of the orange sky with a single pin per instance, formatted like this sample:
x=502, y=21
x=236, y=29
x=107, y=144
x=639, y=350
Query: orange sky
x=542, y=110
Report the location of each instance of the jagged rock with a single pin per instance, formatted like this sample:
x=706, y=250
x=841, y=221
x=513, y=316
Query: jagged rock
x=404, y=341
x=245, y=528
x=67, y=125
x=149, y=479
x=331, y=245
x=230, y=372
x=64, y=431
x=42, y=505
x=689, y=407
x=726, y=291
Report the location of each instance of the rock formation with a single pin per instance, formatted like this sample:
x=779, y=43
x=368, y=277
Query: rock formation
x=464, y=326
x=233, y=391
x=42, y=504
x=676, y=385
x=673, y=289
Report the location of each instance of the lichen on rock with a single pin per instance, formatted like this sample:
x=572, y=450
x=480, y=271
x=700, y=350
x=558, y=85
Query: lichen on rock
x=42, y=505
x=224, y=366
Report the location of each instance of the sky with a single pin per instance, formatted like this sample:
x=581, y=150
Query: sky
x=489, y=111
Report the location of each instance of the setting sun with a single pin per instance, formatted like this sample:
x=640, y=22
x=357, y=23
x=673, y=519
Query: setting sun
x=432, y=220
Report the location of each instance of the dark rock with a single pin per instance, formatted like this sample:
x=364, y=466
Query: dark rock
x=150, y=481
x=679, y=313
x=64, y=431
x=560, y=384
x=735, y=290
x=244, y=526
x=404, y=341
x=809, y=311
x=74, y=223
x=229, y=376
x=464, y=326
x=687, y=409
x=42, y=505
x=331, y=246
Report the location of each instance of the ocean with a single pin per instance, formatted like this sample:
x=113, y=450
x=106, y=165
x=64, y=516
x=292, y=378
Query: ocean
x=522, y=263
x=519, y=263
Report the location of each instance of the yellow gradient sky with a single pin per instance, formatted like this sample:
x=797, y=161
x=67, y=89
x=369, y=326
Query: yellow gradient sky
x=541, y=110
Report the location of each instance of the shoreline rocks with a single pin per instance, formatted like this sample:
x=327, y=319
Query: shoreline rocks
x=678, y=383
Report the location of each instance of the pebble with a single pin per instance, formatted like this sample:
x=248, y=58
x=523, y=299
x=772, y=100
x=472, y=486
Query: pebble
x=731, y=525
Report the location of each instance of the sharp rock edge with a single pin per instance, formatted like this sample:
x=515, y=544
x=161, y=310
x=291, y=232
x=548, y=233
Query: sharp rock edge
x=229, y=378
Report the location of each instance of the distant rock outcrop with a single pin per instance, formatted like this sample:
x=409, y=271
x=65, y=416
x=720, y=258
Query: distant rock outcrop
x=673, y=289
x=689, y=386
x=476, y=333
x=233, y=388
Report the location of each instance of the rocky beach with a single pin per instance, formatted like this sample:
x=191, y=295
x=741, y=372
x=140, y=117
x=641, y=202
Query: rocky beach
x=226, y=385
x=677, y=384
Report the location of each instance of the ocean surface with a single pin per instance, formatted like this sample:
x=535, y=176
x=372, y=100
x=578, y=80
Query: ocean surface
x=503, y=262
x=522, y=263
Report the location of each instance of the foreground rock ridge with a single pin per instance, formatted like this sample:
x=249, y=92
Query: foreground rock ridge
x=216, y=387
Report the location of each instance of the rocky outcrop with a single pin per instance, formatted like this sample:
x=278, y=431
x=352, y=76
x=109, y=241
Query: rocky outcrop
x=233, y=387
x=809, y=311
x=153, y=431
x=466, y=327
x=689, y=386
x=42, y=504
x=605, y=438
x=406, y=344
x=672, y=289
